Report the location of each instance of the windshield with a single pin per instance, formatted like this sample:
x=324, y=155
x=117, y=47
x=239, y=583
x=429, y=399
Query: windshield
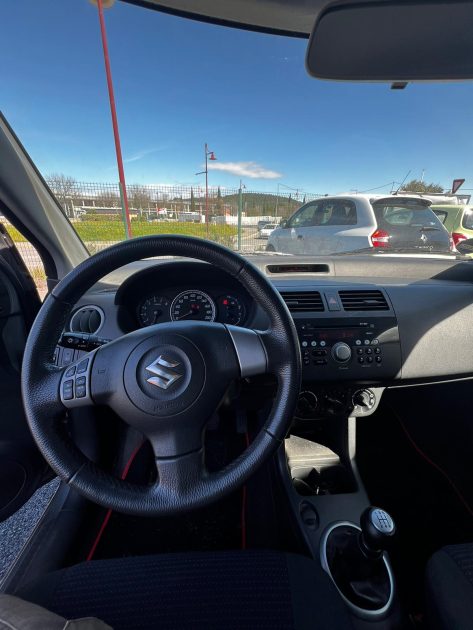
x=224, y=136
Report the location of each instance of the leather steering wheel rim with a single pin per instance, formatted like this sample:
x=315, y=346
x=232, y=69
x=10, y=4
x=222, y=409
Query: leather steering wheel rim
x=182, y=482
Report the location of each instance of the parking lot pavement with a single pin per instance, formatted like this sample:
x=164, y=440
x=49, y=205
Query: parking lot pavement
x=16, y=530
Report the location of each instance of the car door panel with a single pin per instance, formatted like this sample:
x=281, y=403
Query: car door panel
x=22, y=468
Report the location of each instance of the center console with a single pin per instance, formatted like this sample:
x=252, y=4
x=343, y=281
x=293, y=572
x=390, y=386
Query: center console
x=348, y=358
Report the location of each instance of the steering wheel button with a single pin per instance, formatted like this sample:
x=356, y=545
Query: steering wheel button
x=80, y=391
x=82, y=367
x=70, y=372
x=68, y=390
x=80, y=381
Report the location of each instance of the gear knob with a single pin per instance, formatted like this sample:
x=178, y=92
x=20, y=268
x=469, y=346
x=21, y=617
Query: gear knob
x=377, y=531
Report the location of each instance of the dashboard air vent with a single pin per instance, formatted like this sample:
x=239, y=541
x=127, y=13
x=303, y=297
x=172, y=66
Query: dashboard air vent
x=301, y=302
x=363, y=301
x=88, y=319
x=298, y=268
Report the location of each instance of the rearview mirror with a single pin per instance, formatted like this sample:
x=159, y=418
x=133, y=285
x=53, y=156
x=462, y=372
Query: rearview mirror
x=465, y=247
x=420, y=40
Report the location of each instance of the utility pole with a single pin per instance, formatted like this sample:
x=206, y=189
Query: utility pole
x=240, y=212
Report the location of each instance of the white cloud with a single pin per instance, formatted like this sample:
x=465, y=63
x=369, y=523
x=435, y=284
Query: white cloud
x=245, y=169
x=140, y=155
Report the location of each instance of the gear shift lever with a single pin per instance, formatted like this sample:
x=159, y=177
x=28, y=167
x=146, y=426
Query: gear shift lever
x=356, y=563
x=377, y=532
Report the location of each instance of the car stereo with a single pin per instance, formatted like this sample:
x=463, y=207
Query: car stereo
x=349, y=348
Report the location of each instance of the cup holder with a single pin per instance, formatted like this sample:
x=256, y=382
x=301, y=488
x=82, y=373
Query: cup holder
x=312, y=481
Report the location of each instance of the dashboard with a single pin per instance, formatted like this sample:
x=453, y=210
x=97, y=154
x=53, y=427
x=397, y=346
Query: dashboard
x=363, y=322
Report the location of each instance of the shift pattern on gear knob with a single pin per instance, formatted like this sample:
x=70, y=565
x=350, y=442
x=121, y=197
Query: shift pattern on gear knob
x=377, y=531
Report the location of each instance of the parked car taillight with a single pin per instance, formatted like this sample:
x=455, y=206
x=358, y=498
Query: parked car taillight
x=458, y=237
x=380, y=238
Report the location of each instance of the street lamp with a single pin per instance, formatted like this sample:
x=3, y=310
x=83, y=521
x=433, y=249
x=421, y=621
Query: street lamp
x=209, y=155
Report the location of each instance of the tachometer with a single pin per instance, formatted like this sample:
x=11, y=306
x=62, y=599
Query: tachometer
x=195, y=305
x=152, y=310
x=230, y=310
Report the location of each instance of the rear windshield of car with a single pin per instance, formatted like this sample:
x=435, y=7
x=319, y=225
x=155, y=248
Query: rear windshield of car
x=467, y=221
x=405, y=215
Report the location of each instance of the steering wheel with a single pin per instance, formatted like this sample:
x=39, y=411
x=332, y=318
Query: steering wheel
x=165, y=380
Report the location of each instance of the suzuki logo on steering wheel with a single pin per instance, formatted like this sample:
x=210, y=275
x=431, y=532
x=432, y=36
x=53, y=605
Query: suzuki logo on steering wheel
x=163, y=377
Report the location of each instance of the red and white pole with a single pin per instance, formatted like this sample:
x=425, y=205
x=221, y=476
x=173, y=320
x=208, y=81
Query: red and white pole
x=113, y=111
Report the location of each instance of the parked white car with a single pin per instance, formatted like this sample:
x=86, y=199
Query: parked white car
x=346, y=223
x=267, y=229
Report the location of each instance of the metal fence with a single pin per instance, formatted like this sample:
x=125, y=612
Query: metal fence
x=95, y=211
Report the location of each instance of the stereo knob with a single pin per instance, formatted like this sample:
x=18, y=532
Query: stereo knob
x=341, y=352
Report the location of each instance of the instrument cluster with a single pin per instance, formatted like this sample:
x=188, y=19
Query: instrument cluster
x=192, y=304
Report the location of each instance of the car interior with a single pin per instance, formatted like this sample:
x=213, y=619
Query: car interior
x=296, y=457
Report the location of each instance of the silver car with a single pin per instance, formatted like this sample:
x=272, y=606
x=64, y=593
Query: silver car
x=345, y=223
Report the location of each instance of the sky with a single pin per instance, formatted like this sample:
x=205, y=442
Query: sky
x=181, y=83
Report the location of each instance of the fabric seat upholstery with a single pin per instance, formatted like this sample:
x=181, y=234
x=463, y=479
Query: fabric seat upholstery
x=449, y=588
x=230, y=590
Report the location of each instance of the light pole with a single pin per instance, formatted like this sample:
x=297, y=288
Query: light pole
x=240, y=212
x=209, y=155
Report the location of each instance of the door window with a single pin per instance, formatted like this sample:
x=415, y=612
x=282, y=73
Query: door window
x=306, y=216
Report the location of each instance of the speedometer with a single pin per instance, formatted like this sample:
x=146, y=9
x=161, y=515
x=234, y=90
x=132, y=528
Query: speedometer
x=193, y=305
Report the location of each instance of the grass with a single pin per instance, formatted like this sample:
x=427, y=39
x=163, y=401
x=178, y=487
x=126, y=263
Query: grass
x=90, y=231
x=113, y=230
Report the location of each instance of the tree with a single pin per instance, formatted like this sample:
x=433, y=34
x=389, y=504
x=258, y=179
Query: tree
x=417, y=186
x=192, y=200
x=139, y=196
x=64, y=188
x=107, y=199
x=219, y=203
